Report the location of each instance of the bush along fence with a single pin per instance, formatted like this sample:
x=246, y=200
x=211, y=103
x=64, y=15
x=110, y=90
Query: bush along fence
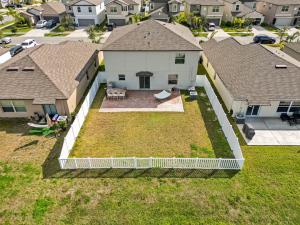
x=151, y=162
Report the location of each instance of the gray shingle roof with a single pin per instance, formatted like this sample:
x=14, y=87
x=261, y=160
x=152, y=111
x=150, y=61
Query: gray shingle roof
x=249, y=73
x=93, y=2
x=152, y=35
x=51, y=8
x=282, y=2
x=205, y=2
x=56, y=71
x=294, y=46
x=122, y=2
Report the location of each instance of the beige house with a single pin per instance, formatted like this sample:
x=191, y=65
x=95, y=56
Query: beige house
x=47, y=79
x=280, y=12
x=236, y=9
x=252, y=80
x=212, y=10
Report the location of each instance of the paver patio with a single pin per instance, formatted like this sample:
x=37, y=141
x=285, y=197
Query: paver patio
x=272, y=131
x=143, y=101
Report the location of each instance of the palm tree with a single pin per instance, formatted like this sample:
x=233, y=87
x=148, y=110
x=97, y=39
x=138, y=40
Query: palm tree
x=295, y=37
x=136, y=18
x=281, y=33
x=94, y=35
x=196, y=22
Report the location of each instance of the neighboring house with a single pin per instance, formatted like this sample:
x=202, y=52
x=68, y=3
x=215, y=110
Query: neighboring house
x=251, y=79
x=293, y=50
x=151, y=55
x=119, y=11
x=4, y=55
x=212, y=10
x=236, y=9
x=86, y=12
x=164, y=9
x=51, y=10
x=250, y=3
x=47, y=79
x=280, y=12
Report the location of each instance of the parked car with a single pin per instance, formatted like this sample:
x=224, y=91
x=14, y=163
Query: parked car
x=41, y=24
x=264, y=39
x=13, y=6
x=28, y=43
x=50, y=24
x=5, y=40
x=210, y=27
x=15, y=50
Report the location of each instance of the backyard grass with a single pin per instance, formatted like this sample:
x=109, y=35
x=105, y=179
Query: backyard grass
x=241, y=34
x=266, y=191
x=153, y=134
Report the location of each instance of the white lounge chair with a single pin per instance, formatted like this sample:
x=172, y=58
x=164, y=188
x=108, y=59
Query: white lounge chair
x=162, y=95
x=38, y=125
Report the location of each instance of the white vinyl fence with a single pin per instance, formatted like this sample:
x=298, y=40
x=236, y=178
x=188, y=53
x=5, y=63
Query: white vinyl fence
x=151, y=162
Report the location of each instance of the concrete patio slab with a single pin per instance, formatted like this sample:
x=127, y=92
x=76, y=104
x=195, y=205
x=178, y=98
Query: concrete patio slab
x=272, y=131
x=143, y=101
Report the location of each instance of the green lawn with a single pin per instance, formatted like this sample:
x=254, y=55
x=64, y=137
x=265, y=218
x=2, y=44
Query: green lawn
x=20, y=30
x=241, y=34
x=200, y=34
x=59, y=31
x=6, y=24
x=194, y=133
x=269, y=27
x=34, y=191
x=235, y=29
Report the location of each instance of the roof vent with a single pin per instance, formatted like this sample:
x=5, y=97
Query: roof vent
x=12, y=68
x=28, y=68
x=278, y=66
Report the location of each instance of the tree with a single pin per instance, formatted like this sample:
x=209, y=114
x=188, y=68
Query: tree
x=67, y=22
x=94, y=34
x=239, y=22
x=196, y=22
x=182, y=18
x=136, y=18
x=281, y=33
x=295, y=37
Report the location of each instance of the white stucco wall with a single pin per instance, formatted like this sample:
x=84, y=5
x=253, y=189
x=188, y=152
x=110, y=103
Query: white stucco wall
x=161, y=64
x=98, y=12
x=6, y=56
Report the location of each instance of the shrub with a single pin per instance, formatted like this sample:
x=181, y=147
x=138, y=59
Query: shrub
x=13, y=29
x=61, y=29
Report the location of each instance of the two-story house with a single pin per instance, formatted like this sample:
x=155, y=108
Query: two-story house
x=236, y=9
x=163, y=10
x=151, y=55
x=86, y=12
x=280, y=12
x=212, y=10
x=119, y=11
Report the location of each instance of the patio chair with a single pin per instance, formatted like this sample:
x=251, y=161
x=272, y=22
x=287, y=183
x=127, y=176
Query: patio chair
x=122, y=95
x=162, y=95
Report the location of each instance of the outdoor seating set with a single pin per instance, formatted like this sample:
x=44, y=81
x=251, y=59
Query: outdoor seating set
x=193, y=93
x=293, y=120
x=115, y=93
x=40, y=121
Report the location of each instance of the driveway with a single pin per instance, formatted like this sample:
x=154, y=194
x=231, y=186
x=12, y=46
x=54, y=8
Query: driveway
x=257, y=30
x=220, y=35
x=78, y=33
x=36, y=33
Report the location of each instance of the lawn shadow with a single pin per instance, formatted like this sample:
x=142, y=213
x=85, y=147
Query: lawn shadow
x=14, y=125
x=35, y=142
x=218, y=140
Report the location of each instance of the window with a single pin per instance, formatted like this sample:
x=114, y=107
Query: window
x=295, y=107
x=283, y=107
x=70, y=8
x=216, y=9
x=13, y=106
x=90, y=9
x=252, y=110
x=180, y=58
x=285, y=8
x=254, y=5
x=124, y=8
x=174, y=7
x=237, y=7
x=131, y=7
x=173, y=79
x=113, y=9
x=78, y=9
x=151, y=6
x=121, y=77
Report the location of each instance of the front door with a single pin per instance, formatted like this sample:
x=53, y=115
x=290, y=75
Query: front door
x=252, y=110
x=144, y=82
x=50, y=110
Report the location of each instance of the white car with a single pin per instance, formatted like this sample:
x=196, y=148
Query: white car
x=210, y=27
x=5, y=40
x=41, y=24
x=29, y=43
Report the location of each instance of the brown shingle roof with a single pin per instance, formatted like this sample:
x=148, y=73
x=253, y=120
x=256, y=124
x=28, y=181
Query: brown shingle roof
x=205, y=2
x=282, y=2
x=51, y=8
x=152, y=35
x=56, y=71
x=249, y=73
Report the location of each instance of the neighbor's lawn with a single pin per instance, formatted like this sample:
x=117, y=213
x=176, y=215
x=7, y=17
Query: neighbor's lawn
x=156, y=134
x=235, y=29
x=20, y=30
x=241, y=34
x=56, y=32
x=269, y=27
x=266, y=191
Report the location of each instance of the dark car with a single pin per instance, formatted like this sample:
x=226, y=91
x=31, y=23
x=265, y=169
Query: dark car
x=15, y=50
x=14, y=6
x=264, y=39
x=50, y=24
